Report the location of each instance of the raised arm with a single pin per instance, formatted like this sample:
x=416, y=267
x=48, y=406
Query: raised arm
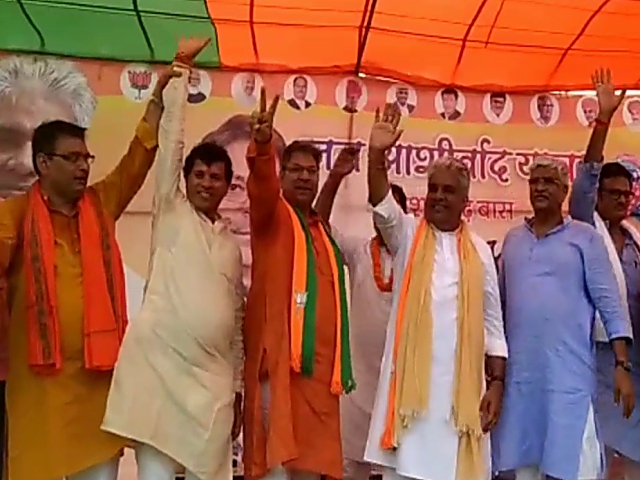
x=344, y=164
x=583, y=197
x=171, y=143
x=387, y=214
x=263, y=185
x=119, y=187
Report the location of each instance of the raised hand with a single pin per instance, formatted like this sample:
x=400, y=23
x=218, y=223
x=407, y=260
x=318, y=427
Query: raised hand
x=189, y=48
x=385, y=132
x=608, y=101
x=262, y=119
x=346, y=162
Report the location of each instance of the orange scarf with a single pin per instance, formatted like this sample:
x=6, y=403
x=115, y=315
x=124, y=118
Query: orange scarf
x=103, y=286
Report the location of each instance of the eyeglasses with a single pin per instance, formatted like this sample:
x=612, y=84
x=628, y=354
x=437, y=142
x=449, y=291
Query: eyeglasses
x=74, y=158
x=619, y=194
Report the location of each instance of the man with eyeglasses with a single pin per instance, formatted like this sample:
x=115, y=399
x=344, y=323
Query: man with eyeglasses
x=66, y=288
x=601, y=195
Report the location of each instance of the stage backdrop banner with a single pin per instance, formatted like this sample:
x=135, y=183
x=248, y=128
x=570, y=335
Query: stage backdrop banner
x=496, y=135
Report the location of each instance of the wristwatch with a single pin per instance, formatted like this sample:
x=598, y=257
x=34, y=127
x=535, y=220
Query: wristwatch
x=625, y=365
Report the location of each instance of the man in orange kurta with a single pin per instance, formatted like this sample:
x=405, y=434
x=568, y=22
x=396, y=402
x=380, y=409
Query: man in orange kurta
x=66, y=300
x=292, y=419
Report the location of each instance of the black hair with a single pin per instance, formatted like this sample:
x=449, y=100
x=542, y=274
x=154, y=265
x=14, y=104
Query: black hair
x=209, y=153
x=614, y=170
x=45, y=138
x=397, y=191
x=300, y=146
x=450, y=91
x=500, y=95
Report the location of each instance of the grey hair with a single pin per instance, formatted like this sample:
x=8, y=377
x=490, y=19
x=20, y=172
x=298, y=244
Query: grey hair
x=556, y=165
x=53, y=77
x=457, y=166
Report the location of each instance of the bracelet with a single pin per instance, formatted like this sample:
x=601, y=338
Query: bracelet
x=601, y=123
x=491, y=380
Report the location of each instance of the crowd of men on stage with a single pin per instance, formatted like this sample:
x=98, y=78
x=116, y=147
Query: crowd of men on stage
x=442, y=368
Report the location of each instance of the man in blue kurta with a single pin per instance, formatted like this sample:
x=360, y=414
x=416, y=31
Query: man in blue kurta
x=555, y=273
x=601, y=195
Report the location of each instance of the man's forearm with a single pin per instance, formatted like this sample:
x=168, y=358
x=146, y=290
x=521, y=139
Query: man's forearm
x=620, y=349
x=327, y=196
x=595, y=148
x=377, y=177
x=495, y=368
x=153, y=113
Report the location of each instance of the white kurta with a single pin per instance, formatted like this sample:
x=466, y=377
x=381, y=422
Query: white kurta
x=429, y=448
x=181, y=361
x=369, y=315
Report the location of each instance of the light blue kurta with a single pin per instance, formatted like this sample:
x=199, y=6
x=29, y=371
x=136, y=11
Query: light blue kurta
x=549, y=288
x=619, y=433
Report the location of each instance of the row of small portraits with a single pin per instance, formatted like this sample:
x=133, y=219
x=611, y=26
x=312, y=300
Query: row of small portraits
x=301, y=92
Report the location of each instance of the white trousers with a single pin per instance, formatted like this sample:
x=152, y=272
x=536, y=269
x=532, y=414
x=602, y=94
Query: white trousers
x=155, y=465
x=103, y=471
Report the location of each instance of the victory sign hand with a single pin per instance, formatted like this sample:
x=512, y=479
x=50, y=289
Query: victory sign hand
x=385, y=133
x=605, y=91
x=262, y=119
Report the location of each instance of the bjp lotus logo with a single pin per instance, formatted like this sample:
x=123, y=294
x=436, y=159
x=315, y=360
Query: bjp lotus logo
x=137, y=81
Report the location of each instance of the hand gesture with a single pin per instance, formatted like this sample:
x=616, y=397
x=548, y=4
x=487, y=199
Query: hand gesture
x=607, y=98
x=491, y=406
x=262, y=119
x=346, y=161
x=385, y=133
x=189, y=48
x=623, y=391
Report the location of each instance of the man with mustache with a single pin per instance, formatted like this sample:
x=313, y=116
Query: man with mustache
x=177, y=385
x=371, y=277
x=434, y=403
x=554, y=275
x=67, y=294
x=297, y=328
x=601, y=195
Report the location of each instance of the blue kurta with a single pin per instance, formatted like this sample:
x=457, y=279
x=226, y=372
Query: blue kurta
x=619, y=433
x=549, y=288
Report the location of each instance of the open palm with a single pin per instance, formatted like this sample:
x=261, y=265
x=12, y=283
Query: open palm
x=608, y=100
x=385, y=132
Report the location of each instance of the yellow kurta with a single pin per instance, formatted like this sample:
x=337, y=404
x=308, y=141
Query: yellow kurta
x=54, y=421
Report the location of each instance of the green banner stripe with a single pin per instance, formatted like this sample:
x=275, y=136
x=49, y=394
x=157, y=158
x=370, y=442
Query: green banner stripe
x=107, y=29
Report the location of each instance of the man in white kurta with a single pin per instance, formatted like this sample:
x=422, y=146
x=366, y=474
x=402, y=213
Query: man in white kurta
x=429, y=446
x=178, y=378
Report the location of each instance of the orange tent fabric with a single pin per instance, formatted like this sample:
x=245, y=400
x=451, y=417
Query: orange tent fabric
x=515, y=45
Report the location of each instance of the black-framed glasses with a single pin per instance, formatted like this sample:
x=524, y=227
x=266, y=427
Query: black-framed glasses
x=73, y=158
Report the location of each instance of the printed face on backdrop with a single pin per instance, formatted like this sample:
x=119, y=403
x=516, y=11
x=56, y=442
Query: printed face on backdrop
x=631, y=113
x=245, y=88
x=545, y=110
x=587, y=111
x=300, y=92
x=404, y=97
x=34, y=91
x=450, y=104
x=351, y=95
x=497, y=107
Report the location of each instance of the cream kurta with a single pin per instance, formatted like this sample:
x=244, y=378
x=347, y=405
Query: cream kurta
x=181, y=360
x=369, y=315
x=429, y=448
